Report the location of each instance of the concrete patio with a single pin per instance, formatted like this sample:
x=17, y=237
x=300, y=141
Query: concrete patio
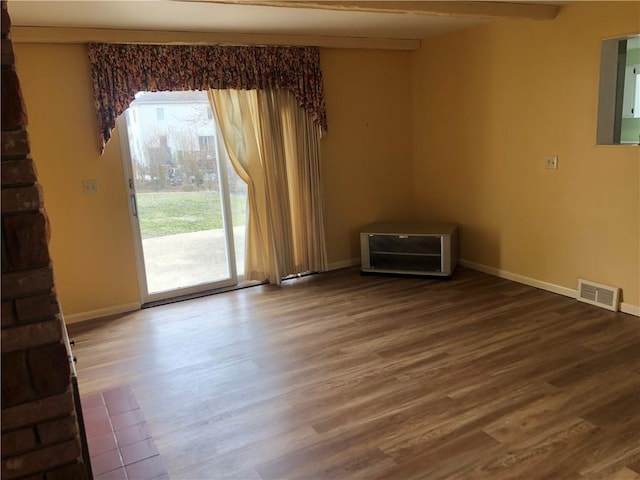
x=188, y=259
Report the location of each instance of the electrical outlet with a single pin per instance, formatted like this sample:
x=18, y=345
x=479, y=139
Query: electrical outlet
x=90, y=187
x=552, y=162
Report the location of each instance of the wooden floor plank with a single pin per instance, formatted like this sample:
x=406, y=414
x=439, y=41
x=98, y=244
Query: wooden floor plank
x=340, y=375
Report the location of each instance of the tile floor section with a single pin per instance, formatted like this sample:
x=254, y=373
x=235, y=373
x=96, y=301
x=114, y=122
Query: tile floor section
x=120, y=445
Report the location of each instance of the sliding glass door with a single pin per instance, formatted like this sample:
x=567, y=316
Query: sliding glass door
x=188, y=207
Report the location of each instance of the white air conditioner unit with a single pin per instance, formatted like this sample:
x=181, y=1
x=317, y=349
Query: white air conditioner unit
x=598, y=294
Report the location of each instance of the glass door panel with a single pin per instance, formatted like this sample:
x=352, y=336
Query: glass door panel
x=184, y=216
x=183, y=239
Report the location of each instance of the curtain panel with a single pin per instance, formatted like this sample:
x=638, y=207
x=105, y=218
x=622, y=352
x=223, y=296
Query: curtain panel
x=119, y=71
x=274, y=147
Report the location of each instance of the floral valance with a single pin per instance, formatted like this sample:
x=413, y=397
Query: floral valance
x=120, y=71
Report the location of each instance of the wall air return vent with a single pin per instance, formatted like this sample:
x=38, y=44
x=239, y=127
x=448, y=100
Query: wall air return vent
x=603, y=296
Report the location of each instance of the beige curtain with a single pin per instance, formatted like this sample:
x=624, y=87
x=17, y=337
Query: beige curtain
x=273, y=145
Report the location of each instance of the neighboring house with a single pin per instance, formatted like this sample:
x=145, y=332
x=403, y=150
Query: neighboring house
x=172, y=139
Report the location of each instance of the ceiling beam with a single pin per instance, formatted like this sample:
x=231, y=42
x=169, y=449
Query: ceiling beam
x=493, y=10
x=107, y=35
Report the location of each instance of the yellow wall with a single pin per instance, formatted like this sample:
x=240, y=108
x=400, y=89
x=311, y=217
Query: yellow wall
x=366, y=155
x=488, y=105
x=366, y=164
x=90, y=245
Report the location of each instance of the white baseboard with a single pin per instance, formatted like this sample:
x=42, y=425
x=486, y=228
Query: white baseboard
x=101, y=312
x=630, y=308
x=532, y=282
x=343, y=264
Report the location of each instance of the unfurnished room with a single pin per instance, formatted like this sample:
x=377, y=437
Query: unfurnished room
x=264, y=240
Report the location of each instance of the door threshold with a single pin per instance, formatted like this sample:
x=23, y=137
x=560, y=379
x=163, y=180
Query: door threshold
x=206, y=293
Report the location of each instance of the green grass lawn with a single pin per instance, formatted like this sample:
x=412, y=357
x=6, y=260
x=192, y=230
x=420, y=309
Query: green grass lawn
x=168, y=213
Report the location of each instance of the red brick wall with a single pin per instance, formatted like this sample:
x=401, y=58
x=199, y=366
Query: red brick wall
x=40, y=435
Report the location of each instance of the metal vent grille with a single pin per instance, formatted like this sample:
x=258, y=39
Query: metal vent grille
x=598, y=294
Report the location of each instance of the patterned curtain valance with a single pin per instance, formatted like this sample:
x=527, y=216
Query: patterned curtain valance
x=120, y=71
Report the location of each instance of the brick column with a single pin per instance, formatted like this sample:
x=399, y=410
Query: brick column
x=40, y=434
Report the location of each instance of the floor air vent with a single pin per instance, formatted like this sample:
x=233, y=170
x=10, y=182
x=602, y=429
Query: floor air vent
x=597, y=294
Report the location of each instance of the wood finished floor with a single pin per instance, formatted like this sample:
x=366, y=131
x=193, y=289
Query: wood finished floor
x=343, y=376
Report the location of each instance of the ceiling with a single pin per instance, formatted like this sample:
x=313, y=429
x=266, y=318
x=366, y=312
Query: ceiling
x=390, y=19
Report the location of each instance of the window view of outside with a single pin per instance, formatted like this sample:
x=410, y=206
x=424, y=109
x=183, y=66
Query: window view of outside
x=630, y=128
x=175, y=163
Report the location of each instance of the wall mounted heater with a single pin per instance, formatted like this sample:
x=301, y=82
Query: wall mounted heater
x=597, y=294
